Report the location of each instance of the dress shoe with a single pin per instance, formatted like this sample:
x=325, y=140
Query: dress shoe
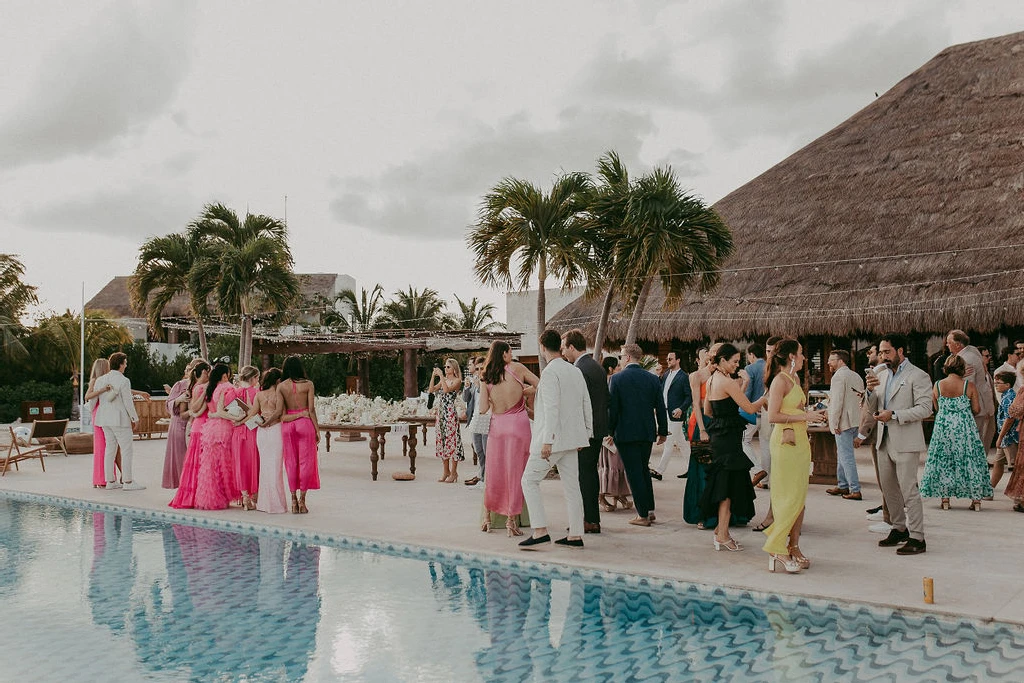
x=577, y=543
x=853, y=495
x=111, y=485
x=912, y=547
x=655, y=474
x=640, y=521
x=132, y=486
x=756, y=479
x=836, y=491
x=531, y=541
x=895, y=537
x=591, y=528
x=872, y=511
x=681, y=476
x=473, y=481
x=876, y=516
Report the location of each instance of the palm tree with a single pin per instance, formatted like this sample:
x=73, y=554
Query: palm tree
x=164, y=270
x=62, y=339
x=542, y=233
x=365, y=311
x=414, y=310
x=475, y=316
x=251, y=263
x=670, y=235
x=15, y=298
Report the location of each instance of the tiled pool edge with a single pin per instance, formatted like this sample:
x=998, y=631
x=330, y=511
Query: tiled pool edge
x=553, y=569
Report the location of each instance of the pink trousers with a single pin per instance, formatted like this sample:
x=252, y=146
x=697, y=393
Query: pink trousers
x=300, y=456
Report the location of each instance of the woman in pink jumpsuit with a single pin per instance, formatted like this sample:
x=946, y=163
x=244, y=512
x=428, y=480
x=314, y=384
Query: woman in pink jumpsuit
x=300, y=432
x=243, y=440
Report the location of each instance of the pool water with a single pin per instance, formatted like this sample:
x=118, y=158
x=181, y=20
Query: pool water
x=98, y=596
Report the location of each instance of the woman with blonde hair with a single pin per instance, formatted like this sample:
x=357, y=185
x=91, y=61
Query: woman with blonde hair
x=100, y=367
x=243, y=440
x=449, y=439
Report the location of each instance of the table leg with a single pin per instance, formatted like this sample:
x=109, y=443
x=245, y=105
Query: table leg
x=383, y=440
x=373, y=454
x=327, y=439
x=412, y=450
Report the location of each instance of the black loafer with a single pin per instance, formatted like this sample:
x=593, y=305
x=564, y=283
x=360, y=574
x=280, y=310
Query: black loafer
x=655, y=474
x=578, y=543
x=912, y=547
x=531, y=541
x=894, y=538
x=681, y=476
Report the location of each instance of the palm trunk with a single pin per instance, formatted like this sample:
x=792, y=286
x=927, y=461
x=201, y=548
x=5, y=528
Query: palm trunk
x=204, y=348
x=602, y=323
x=638, y=310
x=245, y=342
x=542, y=275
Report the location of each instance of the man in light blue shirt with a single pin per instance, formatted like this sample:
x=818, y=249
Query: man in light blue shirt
x=755, y=389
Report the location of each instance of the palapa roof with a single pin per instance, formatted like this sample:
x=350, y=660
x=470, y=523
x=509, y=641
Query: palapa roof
x=917, y=192
x=114, y=296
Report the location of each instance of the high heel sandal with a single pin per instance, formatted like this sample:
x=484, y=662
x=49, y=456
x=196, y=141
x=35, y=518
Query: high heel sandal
x=788, y=563
x=763, y=525
x=606, y=506
x=626, y=504
x=295, y=503
x=302, y=503
x=731, y=545
x=801, y=559
x=247, y=503
x=945, y=504
x=486, y=526
x=513, y=527
x=976, y=505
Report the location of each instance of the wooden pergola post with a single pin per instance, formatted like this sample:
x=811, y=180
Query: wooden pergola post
x=409, y=360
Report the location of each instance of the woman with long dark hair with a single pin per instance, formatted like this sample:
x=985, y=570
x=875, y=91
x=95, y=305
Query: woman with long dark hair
x=791, y=456
x=186, y=494
x=728, y=490
x=217, y=486
x=503, y=396
x=177, y=446
x=300, y=432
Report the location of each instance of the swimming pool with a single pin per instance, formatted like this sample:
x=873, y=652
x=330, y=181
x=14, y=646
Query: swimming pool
x=92, y=594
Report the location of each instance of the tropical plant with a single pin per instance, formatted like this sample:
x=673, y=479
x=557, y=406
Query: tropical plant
x=59, y=339
x=539, y=233
x=164, y=270
x=365, y=311
x=251, y=263
x=414, y=310
x=15, y=298
x=474, y=316
x=670, y=235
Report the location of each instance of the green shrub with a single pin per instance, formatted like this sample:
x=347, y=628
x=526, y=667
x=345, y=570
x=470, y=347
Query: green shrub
x=11, y=397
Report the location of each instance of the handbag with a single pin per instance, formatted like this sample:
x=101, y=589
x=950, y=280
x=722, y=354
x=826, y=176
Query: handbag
x=480, y=424
x=430, y=401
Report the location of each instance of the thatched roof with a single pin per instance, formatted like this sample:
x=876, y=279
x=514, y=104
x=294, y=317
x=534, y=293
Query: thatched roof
x=935, y=164
x=114, y=296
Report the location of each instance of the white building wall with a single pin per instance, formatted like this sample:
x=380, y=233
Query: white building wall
x=521, y=314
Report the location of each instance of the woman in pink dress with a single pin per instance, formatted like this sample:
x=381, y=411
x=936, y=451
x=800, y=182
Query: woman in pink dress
x=186, y=495
x=216, y=486
x=243, y=439
x=177, y=405
x=100, y=367
x=300, y=432
x=271, y=497
x=506, y=385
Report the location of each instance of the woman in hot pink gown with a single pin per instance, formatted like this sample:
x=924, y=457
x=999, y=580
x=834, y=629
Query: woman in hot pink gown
x=100, y=367
x=243, y=440
x=299, y=431
x=217, y=487
x=186, y=494
x=508, y=439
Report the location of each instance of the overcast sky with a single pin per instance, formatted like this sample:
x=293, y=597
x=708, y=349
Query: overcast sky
x=384, y=122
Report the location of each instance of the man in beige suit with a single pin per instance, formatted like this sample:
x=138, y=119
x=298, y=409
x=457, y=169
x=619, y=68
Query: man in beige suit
x=844, y=421
x=899, y=400
x=116, y=415
x=960, y=344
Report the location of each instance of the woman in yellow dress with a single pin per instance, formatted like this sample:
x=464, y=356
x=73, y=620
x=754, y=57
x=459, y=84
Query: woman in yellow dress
x=791, y=456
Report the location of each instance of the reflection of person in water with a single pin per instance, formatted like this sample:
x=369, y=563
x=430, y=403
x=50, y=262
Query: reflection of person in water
x=112, y=574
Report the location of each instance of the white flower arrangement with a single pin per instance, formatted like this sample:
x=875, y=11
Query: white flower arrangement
x=358, y=409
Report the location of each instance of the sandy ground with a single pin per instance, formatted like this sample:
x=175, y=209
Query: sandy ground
x=974, y=558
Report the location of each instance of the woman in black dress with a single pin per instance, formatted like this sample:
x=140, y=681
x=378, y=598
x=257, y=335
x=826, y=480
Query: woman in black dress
x=728, y=490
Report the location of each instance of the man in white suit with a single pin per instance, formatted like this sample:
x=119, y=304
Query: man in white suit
x=116, y=416
x=844, y=421
x=899, y=400
x=960, y=344
x=562, y=425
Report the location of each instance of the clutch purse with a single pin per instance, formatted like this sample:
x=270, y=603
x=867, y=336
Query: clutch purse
x=480, y=424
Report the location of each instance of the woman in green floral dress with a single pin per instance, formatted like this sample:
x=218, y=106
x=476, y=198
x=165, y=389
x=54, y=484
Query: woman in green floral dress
x=956, y=465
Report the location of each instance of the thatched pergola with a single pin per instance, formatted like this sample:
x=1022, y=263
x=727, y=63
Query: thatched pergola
x=899, y=219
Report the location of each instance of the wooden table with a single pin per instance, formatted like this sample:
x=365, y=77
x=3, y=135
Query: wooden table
x=424, y=421
x=377, y=440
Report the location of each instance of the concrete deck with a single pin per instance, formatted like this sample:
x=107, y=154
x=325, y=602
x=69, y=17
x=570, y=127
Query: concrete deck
x=975, y=558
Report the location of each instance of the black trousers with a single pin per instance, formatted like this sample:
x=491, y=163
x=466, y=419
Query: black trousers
x=636, y=460
x=589, y=483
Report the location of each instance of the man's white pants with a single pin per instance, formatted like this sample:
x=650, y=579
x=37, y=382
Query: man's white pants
x=762, y=457
x=676, y=437
x=118, y=436
x=569, y=472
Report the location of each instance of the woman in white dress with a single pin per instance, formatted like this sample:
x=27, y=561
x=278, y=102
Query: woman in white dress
x=271, y=497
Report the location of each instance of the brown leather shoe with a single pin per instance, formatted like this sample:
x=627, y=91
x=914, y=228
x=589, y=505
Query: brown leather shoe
x=853, y=496
x=640, y=521
x=836, y=491
x=756, y=479
x=591, y=528
x=472, y=481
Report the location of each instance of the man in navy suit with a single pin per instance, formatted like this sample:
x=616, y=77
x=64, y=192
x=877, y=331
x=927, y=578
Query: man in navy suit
x=636, y=418
x=675, y=388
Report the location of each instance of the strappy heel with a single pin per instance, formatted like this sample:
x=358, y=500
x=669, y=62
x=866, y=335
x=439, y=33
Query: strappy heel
x=788, y=563
x=606, y=506
x=513, y=527
x=731, y=545
x=624, y=502
x=801, y=559
x=302, y=503
x=295, y=503
x=247, y=503
x=976, y=505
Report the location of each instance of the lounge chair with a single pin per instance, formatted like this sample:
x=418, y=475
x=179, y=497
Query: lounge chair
x=50, y=429
x=17, y=453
